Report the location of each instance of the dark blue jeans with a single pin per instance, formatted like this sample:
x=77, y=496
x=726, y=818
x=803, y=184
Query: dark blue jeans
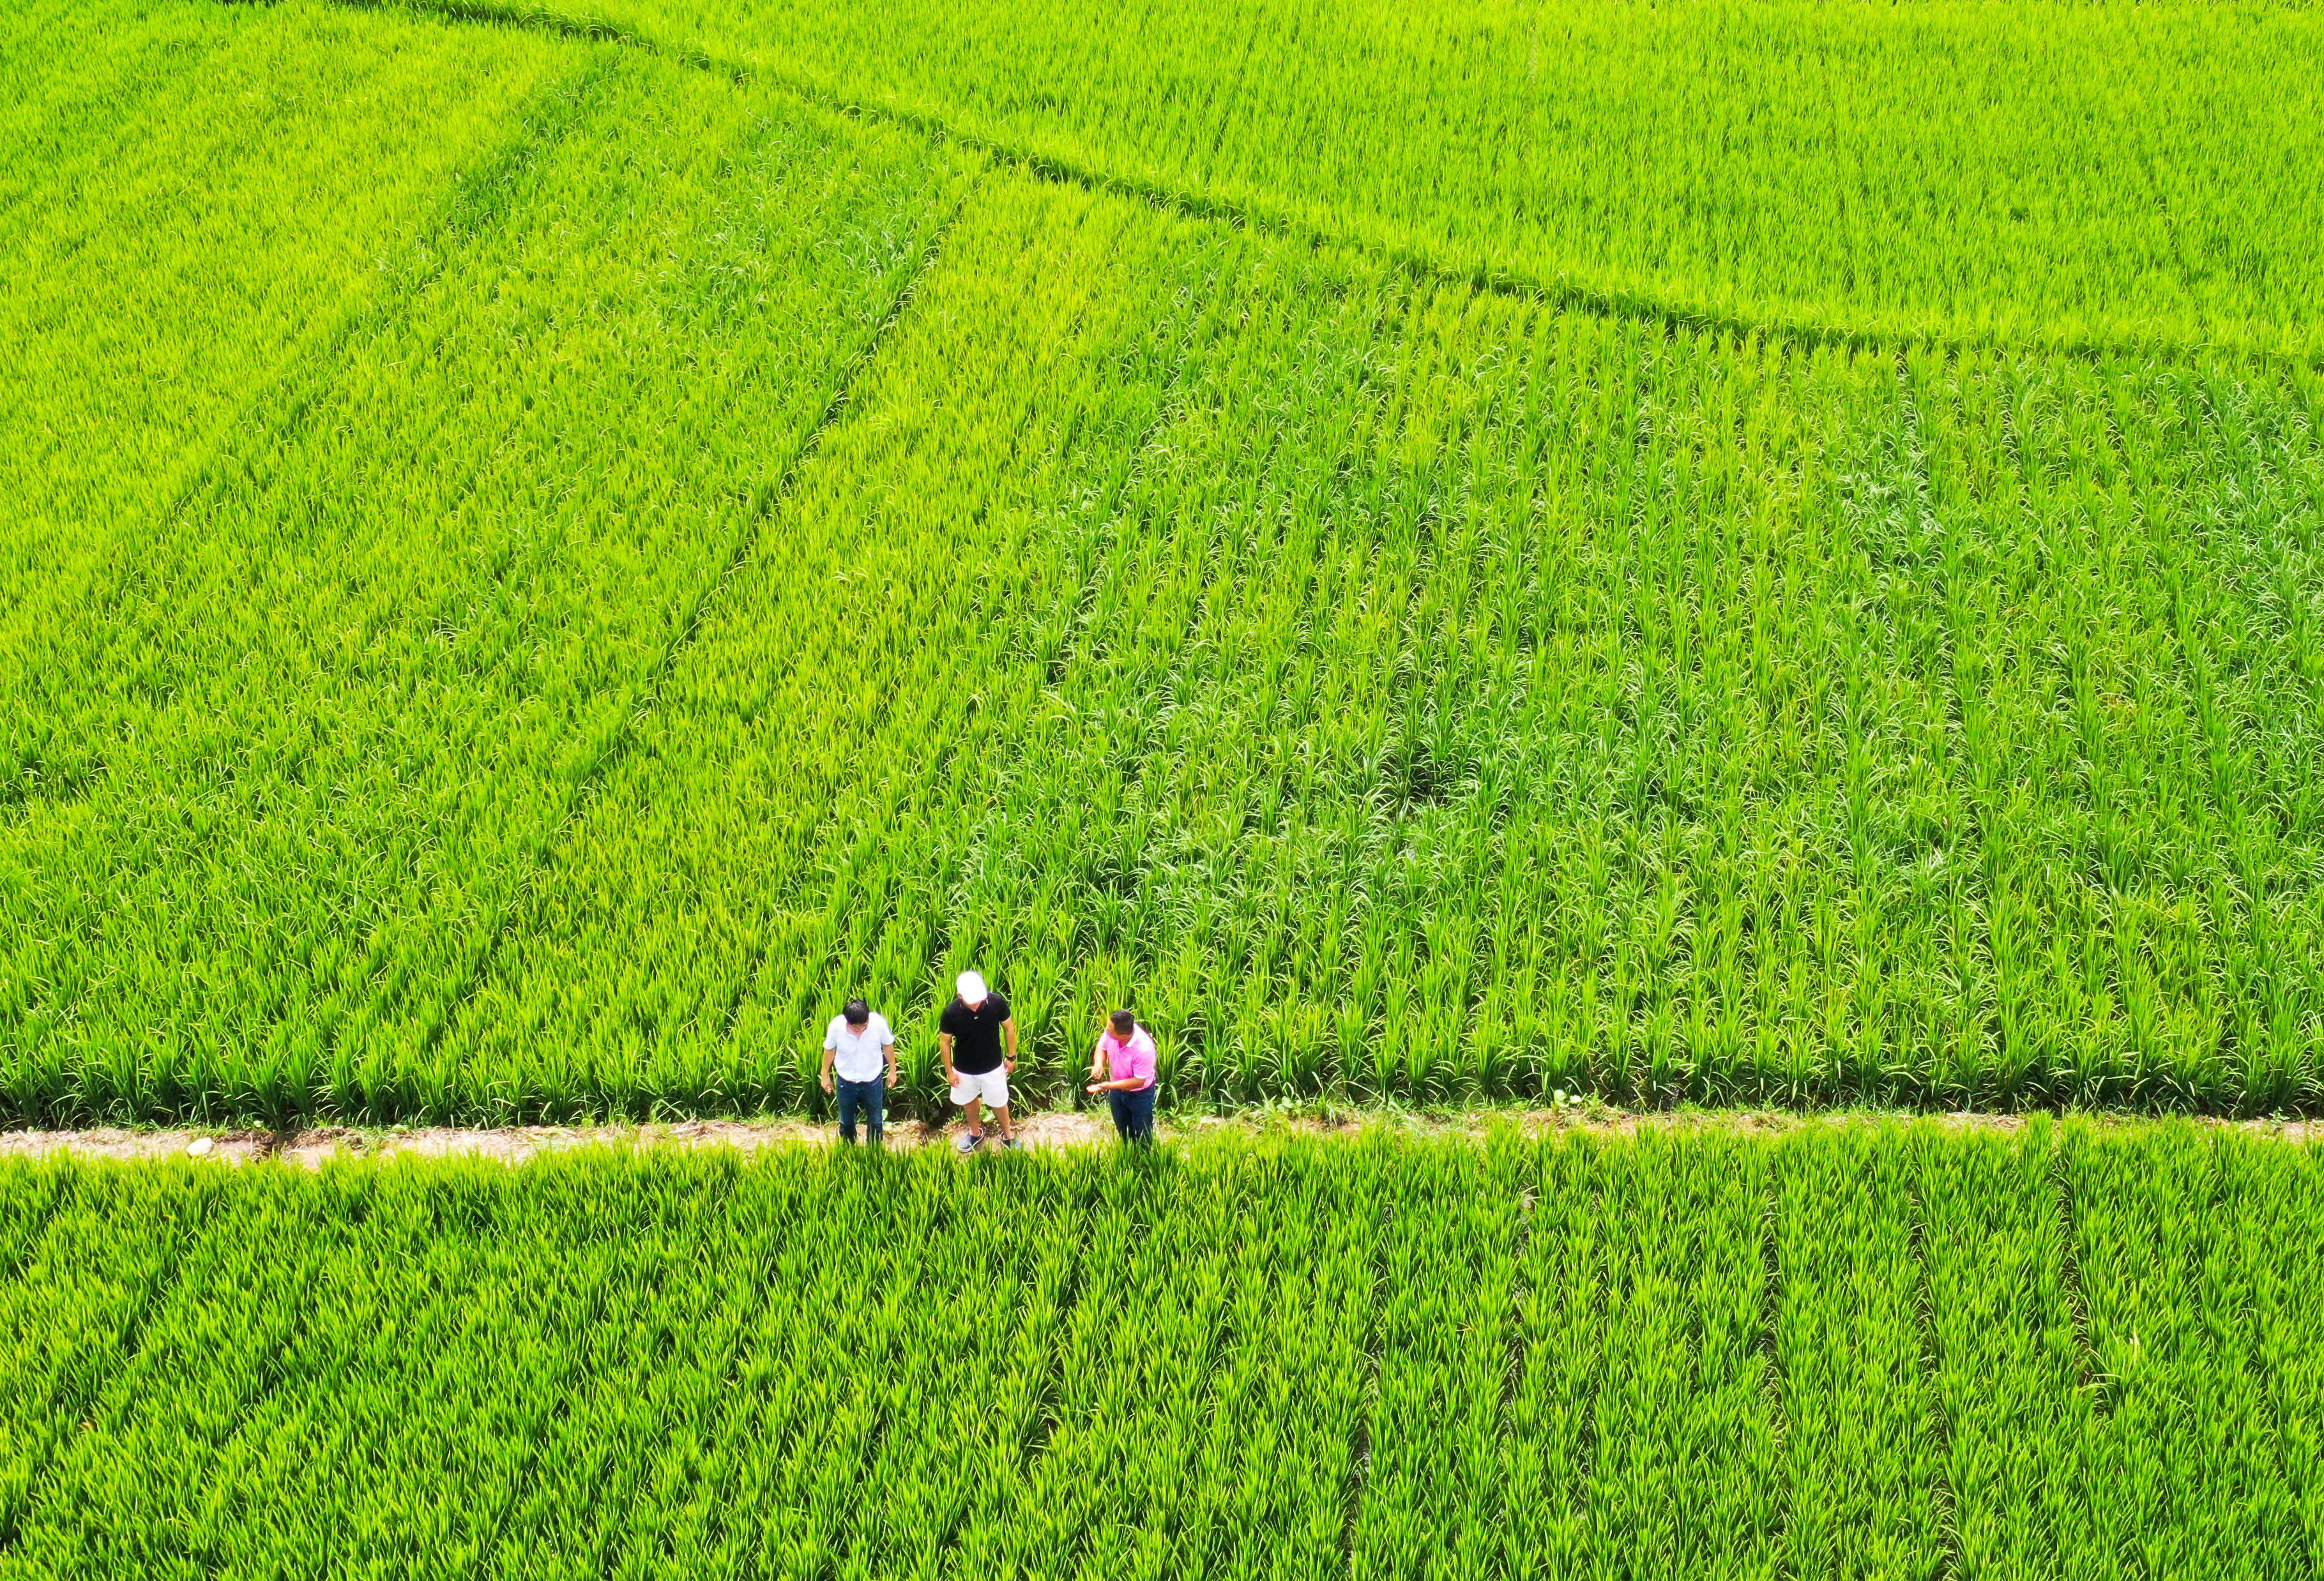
x=871, y=1098
x=1133, y=1114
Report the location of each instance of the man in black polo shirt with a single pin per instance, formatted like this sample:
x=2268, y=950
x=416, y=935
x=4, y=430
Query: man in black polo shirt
x=978, y=1038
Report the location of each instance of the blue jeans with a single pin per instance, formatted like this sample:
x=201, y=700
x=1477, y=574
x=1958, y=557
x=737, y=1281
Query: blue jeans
x=1133, y=1114
x=871, y=1098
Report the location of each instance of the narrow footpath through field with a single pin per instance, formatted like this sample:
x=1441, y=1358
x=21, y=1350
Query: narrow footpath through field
x=313, y=1147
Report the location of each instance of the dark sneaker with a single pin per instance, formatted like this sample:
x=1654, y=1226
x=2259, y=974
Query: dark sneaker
x=969, y=1139
x=1009, y=1142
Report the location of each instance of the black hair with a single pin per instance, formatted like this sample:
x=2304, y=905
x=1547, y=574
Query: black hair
x=856, y=1012
x=1124, y=1024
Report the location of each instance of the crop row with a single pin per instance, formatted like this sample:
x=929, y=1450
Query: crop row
x=2040, y=173
x=1845, y=1351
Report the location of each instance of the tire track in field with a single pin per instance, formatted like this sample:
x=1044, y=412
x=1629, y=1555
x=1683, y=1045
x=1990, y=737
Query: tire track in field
x=1481, y=275
x=1773, y=1385
x=2069, y=1278
x=475, y=206
x=1924, y=1312
x=945, y=1557
x=1382, y=1215
x=1518, y=1303
x=304, y=1285
x=1048, y=1398
x=733, y=1422
x=767, y=499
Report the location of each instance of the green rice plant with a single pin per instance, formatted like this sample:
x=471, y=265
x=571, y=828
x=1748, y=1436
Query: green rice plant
x=1844, y=1349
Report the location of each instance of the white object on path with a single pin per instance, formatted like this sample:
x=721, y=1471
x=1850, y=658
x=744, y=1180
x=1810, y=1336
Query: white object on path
x=200, y=1146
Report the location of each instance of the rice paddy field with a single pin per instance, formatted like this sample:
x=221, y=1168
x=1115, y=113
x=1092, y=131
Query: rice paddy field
x=1451, y=554
x=1701, y=552
x=1843, y=1350
x=1716, y=553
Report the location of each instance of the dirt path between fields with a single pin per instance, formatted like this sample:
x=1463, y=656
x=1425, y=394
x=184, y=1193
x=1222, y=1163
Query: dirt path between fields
x=1062, y=1129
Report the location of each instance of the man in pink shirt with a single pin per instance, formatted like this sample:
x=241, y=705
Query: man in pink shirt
x=1124, y=1059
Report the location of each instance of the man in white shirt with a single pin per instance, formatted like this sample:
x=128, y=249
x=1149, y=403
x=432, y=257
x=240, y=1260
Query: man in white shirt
x=859, y=1046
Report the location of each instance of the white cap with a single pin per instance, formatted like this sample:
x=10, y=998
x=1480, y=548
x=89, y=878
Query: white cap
x=971, y=987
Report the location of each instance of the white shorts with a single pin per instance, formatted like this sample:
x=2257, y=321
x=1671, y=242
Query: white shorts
x=990, y=1087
